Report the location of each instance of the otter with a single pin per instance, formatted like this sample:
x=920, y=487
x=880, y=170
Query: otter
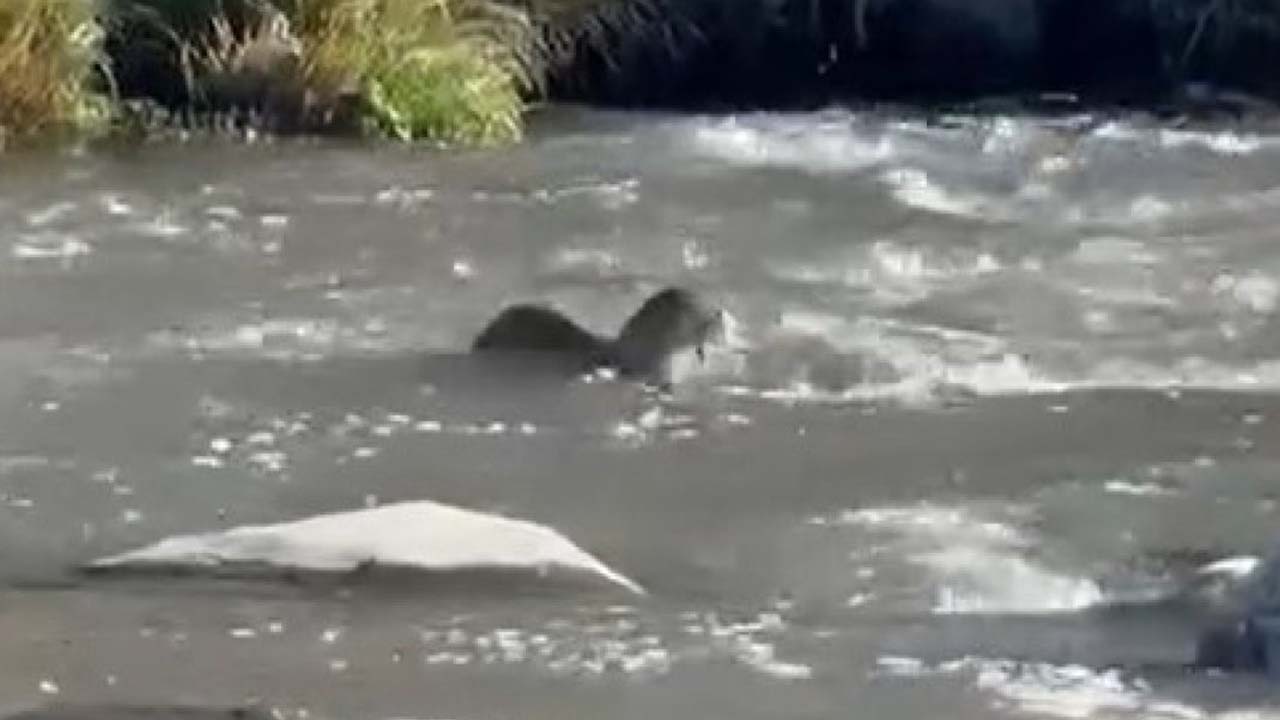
x=671, y=321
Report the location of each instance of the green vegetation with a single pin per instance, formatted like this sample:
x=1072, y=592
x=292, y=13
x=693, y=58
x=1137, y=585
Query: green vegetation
x=48, y=50
x=457, y=72
x=443, y=70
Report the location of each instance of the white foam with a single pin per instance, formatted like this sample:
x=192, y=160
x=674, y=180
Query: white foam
x=977, y=564
x=1124, y=487
x=423, y=534
x=590, y=262
x=877, y=359
x=1072, y=692
x=162, y=226
x=895, y=274
x=115, y=205
x=914, y=188
x=811, y=357
x=991, y=580
x=900, y=666
x=802, y=142
x=50, y=246
x=289, y=338
x=1224, y=142
x=1239, y=567
x=51, y=214
x=1254, y=291
x=608, y=195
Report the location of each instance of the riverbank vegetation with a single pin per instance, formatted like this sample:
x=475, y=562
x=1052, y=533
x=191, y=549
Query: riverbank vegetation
x=448, y=71
x=48, y=50
x=464, y=72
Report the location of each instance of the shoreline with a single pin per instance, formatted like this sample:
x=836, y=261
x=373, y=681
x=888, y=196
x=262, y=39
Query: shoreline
x=467, y=73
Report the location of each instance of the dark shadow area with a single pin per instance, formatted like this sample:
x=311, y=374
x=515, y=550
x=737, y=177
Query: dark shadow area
x=776, y=54
x=796, y=54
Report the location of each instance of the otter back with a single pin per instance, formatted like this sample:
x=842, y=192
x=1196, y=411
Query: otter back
x=538, y=329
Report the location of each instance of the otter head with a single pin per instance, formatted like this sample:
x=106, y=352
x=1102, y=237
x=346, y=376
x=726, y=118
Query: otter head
x=671, y=321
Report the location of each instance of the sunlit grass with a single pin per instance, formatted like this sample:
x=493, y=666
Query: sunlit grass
x=458, y=72
x=441, y=70
x=48, y=50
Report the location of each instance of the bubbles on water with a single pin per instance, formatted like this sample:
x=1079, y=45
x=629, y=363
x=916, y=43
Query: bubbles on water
x=17, y=502
x=614, y=641
x=403, y=198
x=162, y=226
x=695, y=255
x=50, y=246
x=263, y=438
x=795, y=142
x=973, y=563
x=915, y=189
x=225, y=213
x=760, y=657
x=1144, y=489
x=1253, y=291
x=657, y=422
x=1048, y=690
x=268, y=461
x=115, y=206
x=1149, y=208
x=897, y=666
x=894, y=274
x=463, y=269
x=428, y=426
x=51, y=214
x=857, y=600
x=1225, y=142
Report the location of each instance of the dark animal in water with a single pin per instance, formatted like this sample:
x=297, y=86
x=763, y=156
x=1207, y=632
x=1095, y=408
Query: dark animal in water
x=670, y=321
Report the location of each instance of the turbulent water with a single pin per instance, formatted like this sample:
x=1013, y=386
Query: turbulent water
x=1007, y=381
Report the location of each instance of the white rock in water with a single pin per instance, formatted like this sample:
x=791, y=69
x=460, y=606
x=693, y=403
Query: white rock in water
x=421, y=534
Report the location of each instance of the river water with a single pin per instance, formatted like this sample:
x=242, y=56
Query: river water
x=1007, y=380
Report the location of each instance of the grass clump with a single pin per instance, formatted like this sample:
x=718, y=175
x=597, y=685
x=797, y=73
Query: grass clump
x=48, y=52
x=457, y=72
x=451, y=71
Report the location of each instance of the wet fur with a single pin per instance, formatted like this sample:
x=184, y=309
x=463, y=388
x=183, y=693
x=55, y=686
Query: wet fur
x=669, y=321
